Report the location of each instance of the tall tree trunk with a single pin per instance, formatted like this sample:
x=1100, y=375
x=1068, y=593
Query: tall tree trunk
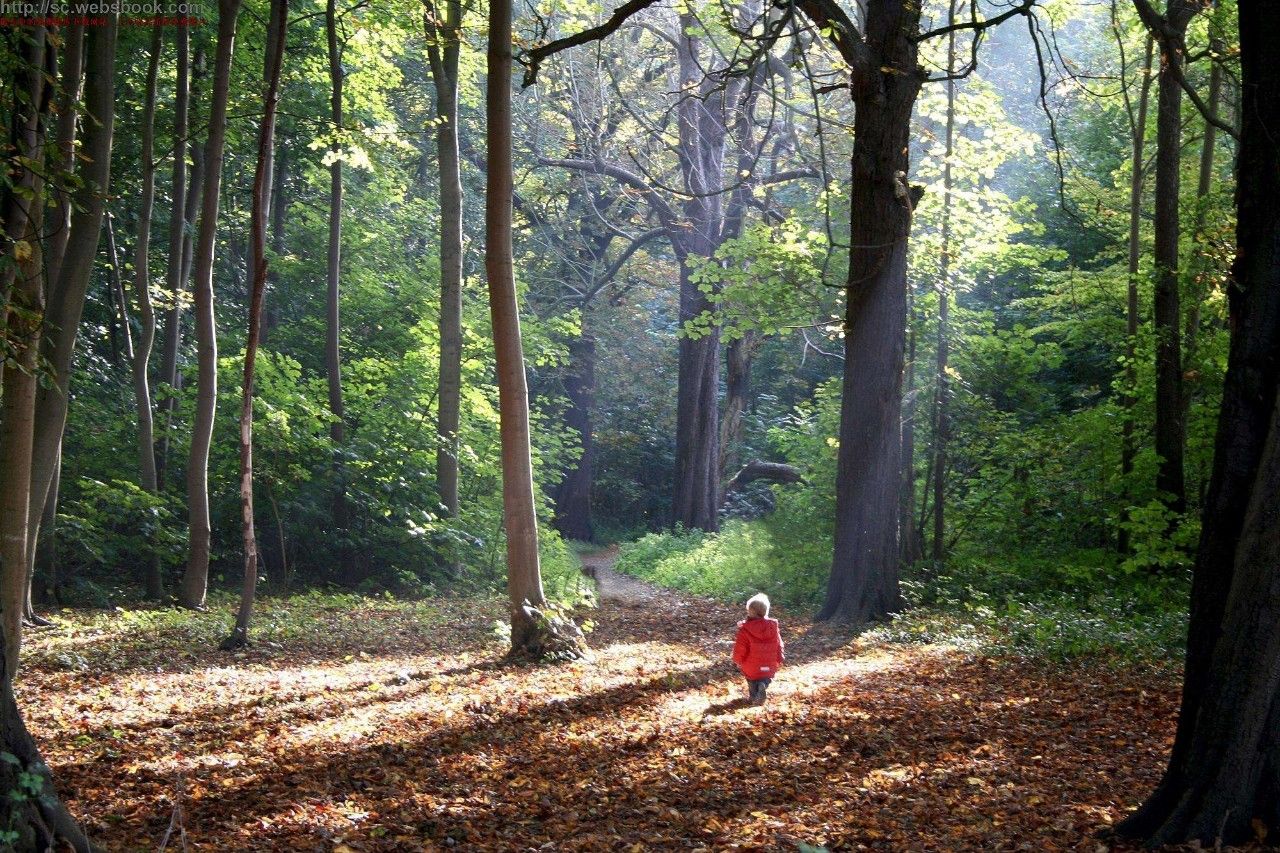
x=23, y=321
x=141, y=360
x=1170, y=433
x=864, y=570
x=1223, y=779
x=333, y=327
x=66, y=295
x=1128, y=445
x=941, y=422
x=533, y=633
x=258, y=260
x=702, y=136
x=444, y=40
x=179, y=224
x=195, y=580
x=573, y=495
x=40, y=822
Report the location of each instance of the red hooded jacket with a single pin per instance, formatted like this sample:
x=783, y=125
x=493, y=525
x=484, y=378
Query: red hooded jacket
x=758, y=650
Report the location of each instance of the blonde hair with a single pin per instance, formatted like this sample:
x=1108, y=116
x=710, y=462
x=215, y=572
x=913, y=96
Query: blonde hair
x=758, y=605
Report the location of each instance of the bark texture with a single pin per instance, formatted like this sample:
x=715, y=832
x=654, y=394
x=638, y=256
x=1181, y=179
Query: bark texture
x=1170, y=435
x=533, y=632
x=258, y=269
x=863, y=584
x=1223, y=778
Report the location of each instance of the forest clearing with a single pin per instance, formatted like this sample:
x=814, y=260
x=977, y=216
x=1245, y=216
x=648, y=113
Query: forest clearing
x=386, y=726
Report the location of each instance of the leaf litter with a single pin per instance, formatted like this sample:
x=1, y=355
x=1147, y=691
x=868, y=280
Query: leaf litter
x=390, y=727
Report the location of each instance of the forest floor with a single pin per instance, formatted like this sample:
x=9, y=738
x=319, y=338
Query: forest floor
x=358, y=724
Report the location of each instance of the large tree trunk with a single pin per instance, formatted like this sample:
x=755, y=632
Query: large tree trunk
x=864, y=571
x=533, y=633
x=703, y=132
x=1223, y=779
x=1129, y=401
x=180, y=220
x=40, y=822
x=444, y=41
x=66, y=294
x=1170, y=435
x=573, y=495
x=195, y=581
x=258, y=265
x=141, y=359
x=24, y=307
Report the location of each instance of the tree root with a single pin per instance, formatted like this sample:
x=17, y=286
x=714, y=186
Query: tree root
x=546, y=635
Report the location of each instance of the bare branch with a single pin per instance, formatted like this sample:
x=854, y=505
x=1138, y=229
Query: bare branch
x=1023, y=8
x=532, y=59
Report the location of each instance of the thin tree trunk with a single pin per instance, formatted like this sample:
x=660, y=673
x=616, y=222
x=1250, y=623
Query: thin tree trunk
x=46, y=560
x=1128, y=445
x=573, y=495
x=1170, y=434
x=443, y=49
x=258, y=259
x=941, y=425
x=863, y=584
x=119, y=305
x=173, y=317
x=1222, y=784
x=908, y=531
x=141, y=357
x=195, y=581
x=178, y=226
x=333, y=344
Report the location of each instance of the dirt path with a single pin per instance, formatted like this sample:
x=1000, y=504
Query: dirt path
x=615, y=587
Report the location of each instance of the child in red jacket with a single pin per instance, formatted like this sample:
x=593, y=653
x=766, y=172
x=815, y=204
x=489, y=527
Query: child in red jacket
x=758, y=650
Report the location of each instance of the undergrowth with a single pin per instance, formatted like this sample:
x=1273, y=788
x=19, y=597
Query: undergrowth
x=1063, y=607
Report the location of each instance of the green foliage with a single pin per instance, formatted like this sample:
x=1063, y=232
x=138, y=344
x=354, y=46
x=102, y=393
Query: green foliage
x=117, y=525
x=744, y=558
